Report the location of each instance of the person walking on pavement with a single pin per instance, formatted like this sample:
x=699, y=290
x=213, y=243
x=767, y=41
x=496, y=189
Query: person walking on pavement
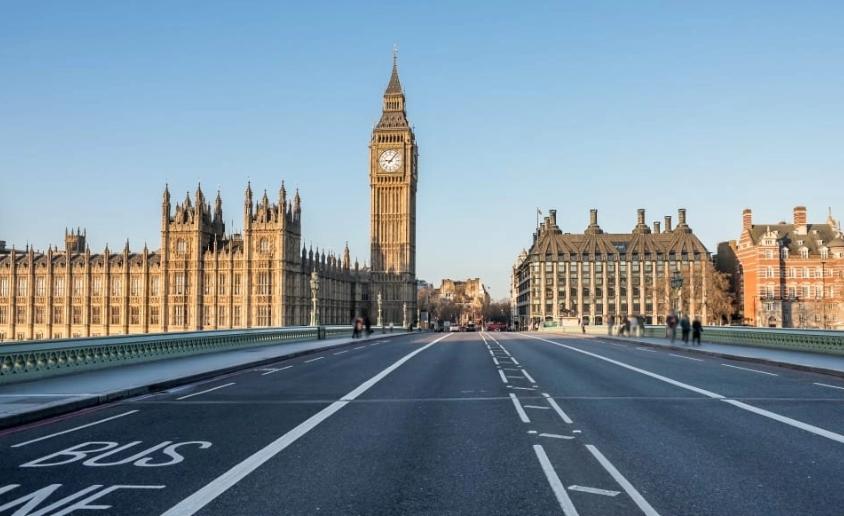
x=583, y=325
x=685, y=328
x=367, y=324
x=671, y=326
x=610, y=324
x=356, y=325
x=697, y=329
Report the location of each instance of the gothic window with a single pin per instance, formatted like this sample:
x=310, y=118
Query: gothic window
x=221, y=317
x=264, y=315
x=181, y=246
x=97, y=286
x=264, y=245
x=179, y=285
x=58, y=287
x=153, y=286
x=207, y=315
x=40, y=289
x=134, y=315
x=179, y=315
x=263, y=283
x=39, y=315
x=58, y=314
x=20, y=316
x=114, y=317
x=116, y=287
x=221, y=284
x=95, y=315
x=4, y=287
x=76, y=315
x=236, y=286
x=134, y=286
x=4, y=314
x=77, y=286
x=153, y=315
x=236, y=316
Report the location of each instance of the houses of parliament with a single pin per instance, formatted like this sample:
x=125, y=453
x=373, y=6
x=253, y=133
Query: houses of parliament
x=204, y=278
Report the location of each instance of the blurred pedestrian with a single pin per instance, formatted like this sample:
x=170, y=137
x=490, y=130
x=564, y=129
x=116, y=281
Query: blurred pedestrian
x=697, y=329
x=610, y=324
x=356, y=327
x=685, y=328
x=671, y=326
x=367, y=324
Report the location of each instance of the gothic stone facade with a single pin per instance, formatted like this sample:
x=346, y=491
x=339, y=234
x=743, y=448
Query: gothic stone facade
x=595, y=275
x=469, y=295
x=203, y=278
x=791, y=275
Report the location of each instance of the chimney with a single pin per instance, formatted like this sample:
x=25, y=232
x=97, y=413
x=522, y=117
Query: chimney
x=593, y=217
x=640, y=217
x=656, y=227
x=746, y=219
x=553, y=217
x=799, y=215
x=681, y=217
x=668, y=223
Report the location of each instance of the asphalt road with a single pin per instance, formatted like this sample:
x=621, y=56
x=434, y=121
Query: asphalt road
x=470, y=423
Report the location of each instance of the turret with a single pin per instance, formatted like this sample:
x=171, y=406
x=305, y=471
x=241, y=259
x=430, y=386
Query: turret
x=218, y=209
x=297, y=206
x=346, y=257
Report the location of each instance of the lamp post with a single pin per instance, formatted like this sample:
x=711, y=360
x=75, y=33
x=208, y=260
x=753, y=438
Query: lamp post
x=314, y=299
x=380, y=321
x=676, y=285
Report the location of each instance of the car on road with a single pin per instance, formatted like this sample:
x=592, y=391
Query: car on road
x=454, y=327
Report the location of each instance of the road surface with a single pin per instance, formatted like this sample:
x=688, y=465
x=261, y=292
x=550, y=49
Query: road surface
x=469, y=423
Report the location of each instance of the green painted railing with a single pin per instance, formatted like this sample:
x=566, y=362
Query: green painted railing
x=32, y=360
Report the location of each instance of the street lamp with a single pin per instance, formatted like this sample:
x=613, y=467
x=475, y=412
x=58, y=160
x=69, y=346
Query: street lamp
x=676, y=285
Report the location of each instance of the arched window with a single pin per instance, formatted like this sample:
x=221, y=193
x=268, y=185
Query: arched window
x=264, y=245
x=181, y=246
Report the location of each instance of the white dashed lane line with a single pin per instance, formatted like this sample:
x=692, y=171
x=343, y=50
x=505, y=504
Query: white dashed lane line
x=830, y=386
x=646, y=349
x=205, y=391
x=503, y=378
x=519, y=410
x=18, y=445
x=276, y=370
x=751, y=370
x=566, y=419
x=341, y=352
x=687, y=358
x=313, y=360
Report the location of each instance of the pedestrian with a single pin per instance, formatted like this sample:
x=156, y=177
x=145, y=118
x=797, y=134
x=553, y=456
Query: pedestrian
x=356, y=324
x=697, y=329
x=627, y=326
x=641, y=321
x=367, y=324
x=671, y=326
x=685, y=328
x=583, y=325
x=610, y=325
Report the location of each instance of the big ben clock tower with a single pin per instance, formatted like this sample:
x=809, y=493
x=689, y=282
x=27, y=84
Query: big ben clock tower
x=392, y=185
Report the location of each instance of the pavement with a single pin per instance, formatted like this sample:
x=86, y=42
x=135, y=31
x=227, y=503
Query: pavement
x=23, y=402
x=469, y=423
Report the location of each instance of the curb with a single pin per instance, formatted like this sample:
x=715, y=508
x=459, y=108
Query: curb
x=739, y=358
x=73, y=406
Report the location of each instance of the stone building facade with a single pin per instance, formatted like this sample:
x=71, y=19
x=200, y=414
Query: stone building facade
x=469, y=296
x=203, y=278
x=791, y=275
x=594, y=275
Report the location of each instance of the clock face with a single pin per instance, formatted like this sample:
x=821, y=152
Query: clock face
x=390, y=160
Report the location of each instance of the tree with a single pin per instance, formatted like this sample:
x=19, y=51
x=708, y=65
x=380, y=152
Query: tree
x=720, y=301
x=497, y=311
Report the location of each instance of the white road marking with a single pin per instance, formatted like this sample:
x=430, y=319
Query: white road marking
x=531, y=431
x=276, y=370
x=503, y=378
x=594, y=490
x=522, y=414
x=341, y=352
x=521, y=388
x=529, y=377
x=557, y=408
x=557, y=436
x=830, y=386
x=537, y=407
x=766, y=413
x=317, y=358
x=514, y=360
x=687, y=358
x=206, y=390
x=623, y=482
x=751, y=370
x=57, y=395
x=359, y=347
x=495, y=360
x=559, y=491
x=575, y=431
x=646, y=349
x=80, y=427
x=221, y=484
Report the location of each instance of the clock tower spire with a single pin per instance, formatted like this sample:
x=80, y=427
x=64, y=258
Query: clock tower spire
x=392, y=183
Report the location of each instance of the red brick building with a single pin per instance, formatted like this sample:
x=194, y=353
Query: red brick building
x=791, y=275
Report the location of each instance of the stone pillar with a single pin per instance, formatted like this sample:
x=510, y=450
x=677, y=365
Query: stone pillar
x=380, y=320
x=314, y=299
x=580, y=291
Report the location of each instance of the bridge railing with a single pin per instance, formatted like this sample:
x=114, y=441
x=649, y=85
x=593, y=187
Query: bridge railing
x=794, y=339
x=32, y=360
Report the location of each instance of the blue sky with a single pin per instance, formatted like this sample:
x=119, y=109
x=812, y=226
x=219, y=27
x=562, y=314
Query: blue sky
x=711, y=106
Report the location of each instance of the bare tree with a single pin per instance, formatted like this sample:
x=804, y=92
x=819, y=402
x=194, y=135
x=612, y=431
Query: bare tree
x=497, y=311
x=720, y=301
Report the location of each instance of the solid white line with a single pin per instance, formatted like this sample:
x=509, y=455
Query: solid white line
x=206, y=390
x=495, y=360
x=73, y=429
x=74, y=395
x=623, y=482
x=221, y=484
x=503, y=378
x=529, y=377
x=514, y=360
x=537, y=407
x=313, y=360
x=341, y=352
x=276, y=370
x=687, y=358
x=522, y=388
x=557, y=408
x=646, y=349
x=594, y=490
x=359, y=347
x=772, y=415
x=751, y=370
x=522, y=414
x=557, y=436
x=559, y=491
x=830, y=386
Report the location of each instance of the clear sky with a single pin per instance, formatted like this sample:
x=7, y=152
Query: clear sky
x=711, y=106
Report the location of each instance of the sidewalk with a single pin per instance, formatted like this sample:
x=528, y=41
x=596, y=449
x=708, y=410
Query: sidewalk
x=37, y=399
x=814, y=362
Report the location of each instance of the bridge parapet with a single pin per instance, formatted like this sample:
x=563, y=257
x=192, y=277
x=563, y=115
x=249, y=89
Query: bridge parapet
x=33, y=360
